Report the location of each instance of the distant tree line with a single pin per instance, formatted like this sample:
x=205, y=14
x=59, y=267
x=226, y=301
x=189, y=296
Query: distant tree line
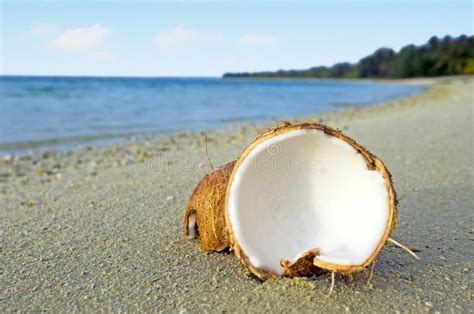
x=438, y=57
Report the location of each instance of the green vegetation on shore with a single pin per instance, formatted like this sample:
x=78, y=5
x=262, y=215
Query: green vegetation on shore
x=438, y=57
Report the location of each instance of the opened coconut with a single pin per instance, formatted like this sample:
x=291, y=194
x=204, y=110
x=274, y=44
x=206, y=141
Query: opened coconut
x=300, y=200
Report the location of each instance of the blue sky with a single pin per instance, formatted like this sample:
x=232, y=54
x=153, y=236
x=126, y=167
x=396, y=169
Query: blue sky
x=205, y=38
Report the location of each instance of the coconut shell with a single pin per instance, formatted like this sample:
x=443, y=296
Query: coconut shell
x=303, y=266
x=205, y=210
x=308, y=264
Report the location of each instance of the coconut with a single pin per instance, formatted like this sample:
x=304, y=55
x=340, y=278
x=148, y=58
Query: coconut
x=204, y=216
x=304, y=199
x=301, y=200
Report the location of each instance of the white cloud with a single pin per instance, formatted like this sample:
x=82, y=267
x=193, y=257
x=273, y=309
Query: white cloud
x=83, y=38
x=258, y=39
x=181, y=35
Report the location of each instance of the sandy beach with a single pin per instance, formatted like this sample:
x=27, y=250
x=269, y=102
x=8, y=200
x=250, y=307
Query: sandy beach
x=100, y=228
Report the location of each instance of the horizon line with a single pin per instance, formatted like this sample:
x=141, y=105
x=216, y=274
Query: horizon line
x=110, y=76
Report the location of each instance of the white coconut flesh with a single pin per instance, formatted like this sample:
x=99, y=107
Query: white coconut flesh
x=192, y=232
x=304, y=189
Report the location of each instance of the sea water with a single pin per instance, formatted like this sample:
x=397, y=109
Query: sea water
x=61, y=112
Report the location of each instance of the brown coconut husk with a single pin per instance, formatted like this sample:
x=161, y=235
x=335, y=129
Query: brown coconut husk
x=207, y=206
x=308, y=264
x=303, y=266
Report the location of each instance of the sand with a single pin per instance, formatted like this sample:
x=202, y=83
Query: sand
x=100, y=228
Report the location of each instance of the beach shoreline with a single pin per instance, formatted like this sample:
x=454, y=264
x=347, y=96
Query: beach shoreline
x=61, y=113
x=99, y=228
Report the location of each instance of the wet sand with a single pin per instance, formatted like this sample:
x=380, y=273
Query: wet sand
x=100, y=228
